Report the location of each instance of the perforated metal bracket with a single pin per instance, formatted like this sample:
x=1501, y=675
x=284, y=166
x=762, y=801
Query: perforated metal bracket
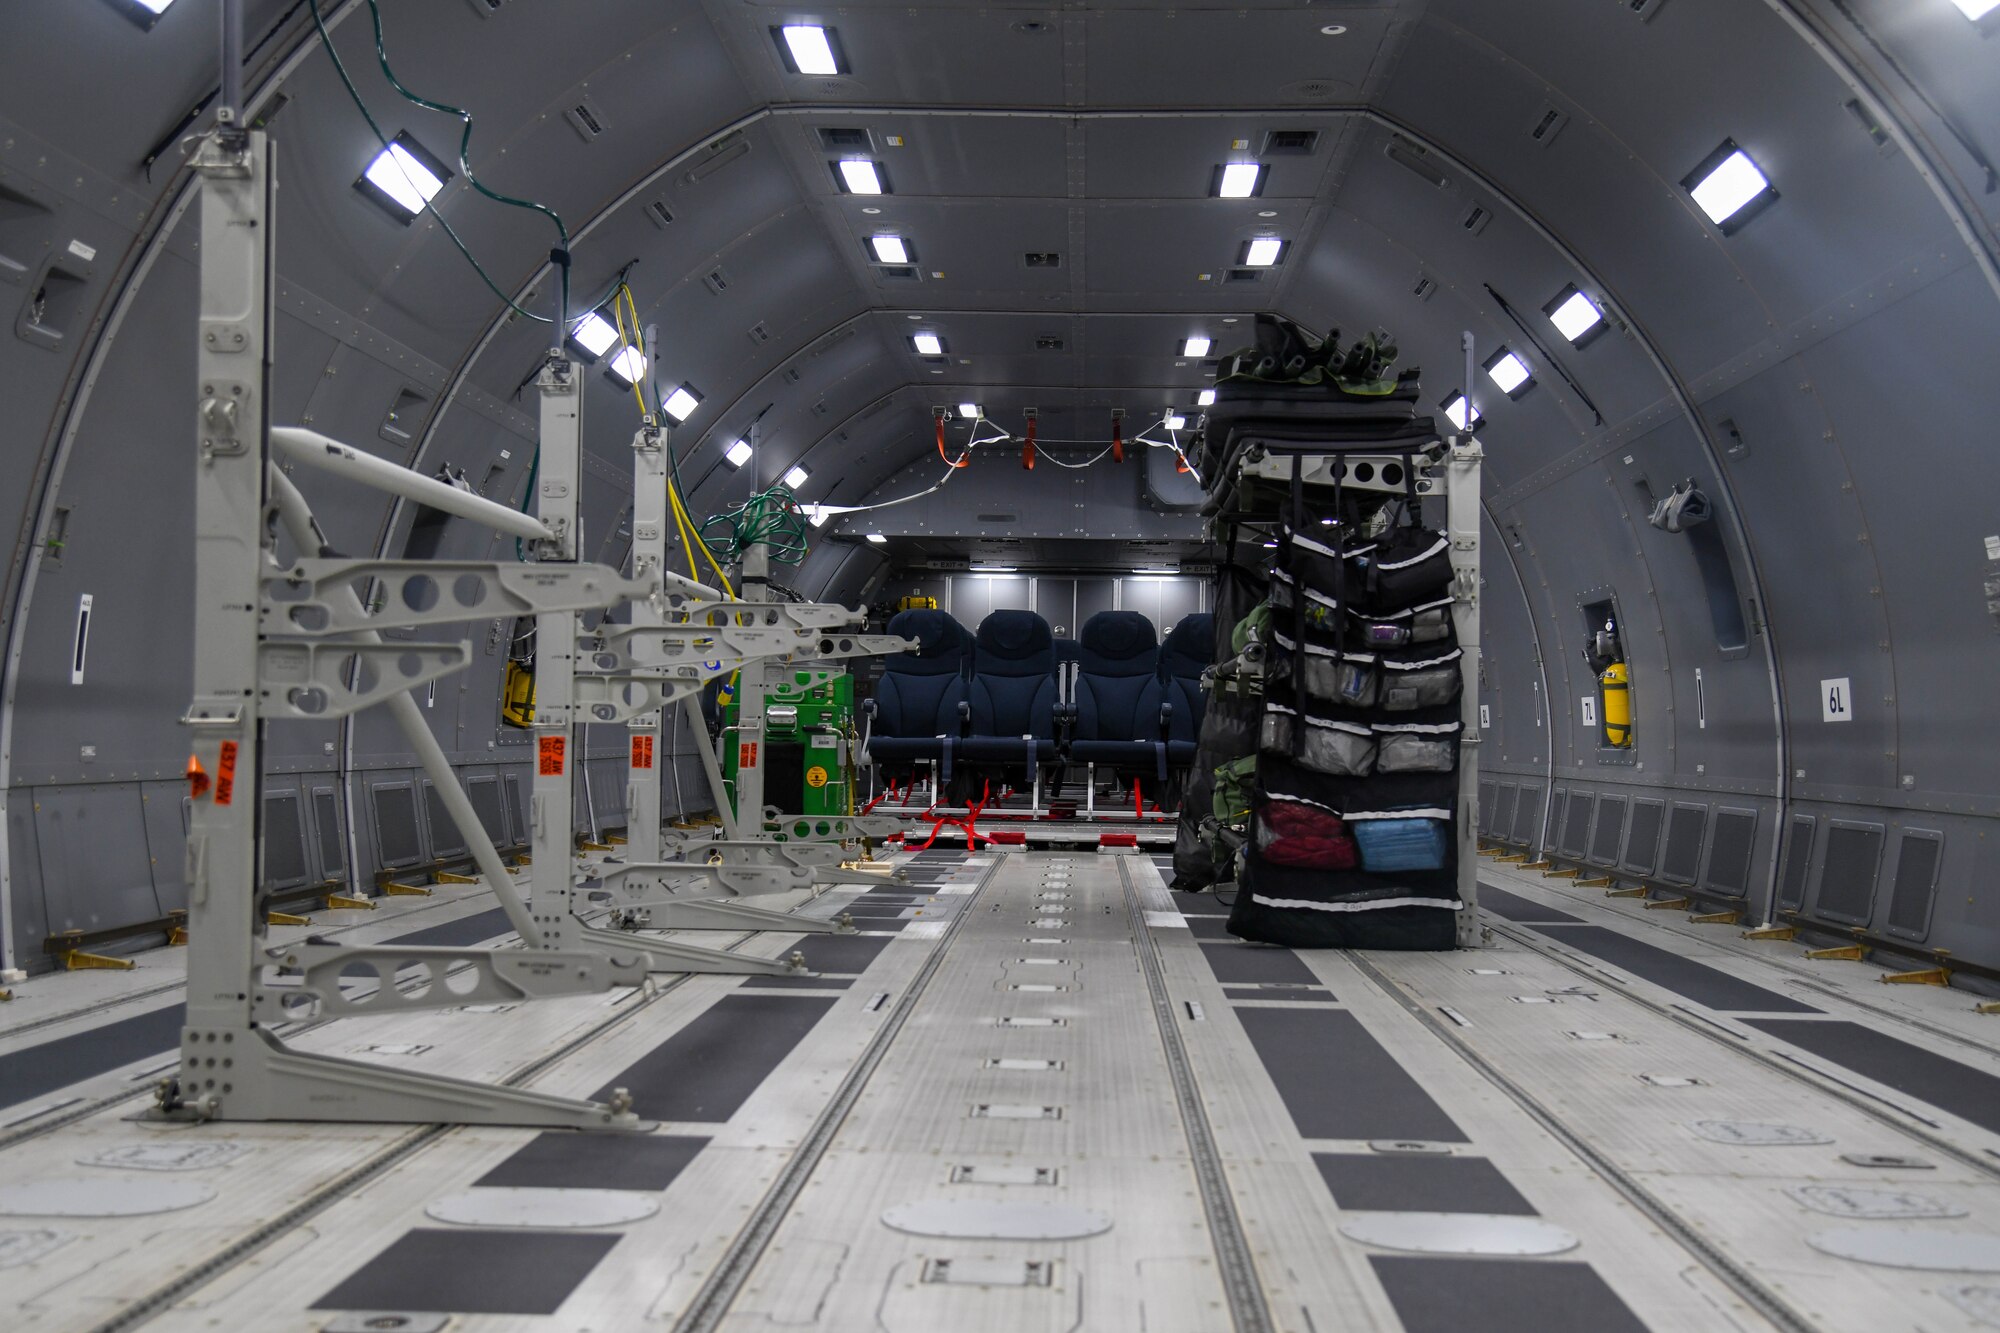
x=612, y=692
x=834, y=828
x=311, y=597
x=749, y=851
x=316, y=681
x=633, y=881
x=382, y=979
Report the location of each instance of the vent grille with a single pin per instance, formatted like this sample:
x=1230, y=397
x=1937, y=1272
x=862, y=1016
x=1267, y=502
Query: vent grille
x=1848, y=871
x=1042, y=259
x=1798, y=860
x=842, y=138
x=1642, y=840
x=1609, y=830
x=1244, y=275
x=484, y=793
x=898, y=273
x=446, y=840
x=396, y=842
x=1296, y=143
x=1548, y=124
x=716, y=281
x=1576, y=824
x=583, y=118
x=517, y=808
x=1503, y=811
x=1407, y=155
x=284, y=841
x=659, y=214
x=1488, y=788
x=1425, y=289
x=1476, y=218
x=1685, y=827
x=326, y=823
x=759, y=333
x=1729, y=851
x=1918, y=854
x=1527, y=815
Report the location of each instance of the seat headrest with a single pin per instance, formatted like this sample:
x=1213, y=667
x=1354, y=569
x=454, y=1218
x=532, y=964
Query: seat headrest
x=1015, y=634
x=1111, y=638
x=1190, y=645
x=936, y=633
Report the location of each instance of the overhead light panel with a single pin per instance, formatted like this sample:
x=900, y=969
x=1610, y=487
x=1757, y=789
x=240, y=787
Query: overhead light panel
x=627, y=367
x=145, y=13
x=877, y=538
x=797, y=476
x=1972, y=9
x=1576, y=316
x=810, y=49
x=1510, y=372
x=1175, y=421
x=1729, y=187
x=1206, y=398
x=403, y=178
x=1238, y=180
x=739, y=453
x=889, y=249
x=970, y=411
x=1198, y=345
x=1263, y=252
x=994, y=569
x=682, y=402
x=1455, y=409
x=927, y=344
x=860, y=175
x=594, y=335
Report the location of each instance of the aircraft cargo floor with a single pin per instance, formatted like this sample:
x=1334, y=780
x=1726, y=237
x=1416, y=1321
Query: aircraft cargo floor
x=1038, y=1091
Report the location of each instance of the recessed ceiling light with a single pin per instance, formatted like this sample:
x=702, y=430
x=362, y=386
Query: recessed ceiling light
x=1972, y=9
x=1575, y=315
x=403, y=178
x=1238, y=180
x=681, y=403
x=1729, y=187
x=1267, y=212
x=877, y=538
x=1510, y=372
x=809, y=49
x=1206, y=398
x=1175, y=421
x=871, y=211
x=1334, y=29
x=626, y=367
x=145, y=13
x=797, y=476
x=927, y=344
x=1455, y=408
x=860, y=175
x=889, y=249
x=1263, y=252
x=594, y=334
x=738, y=453
x=1198, y=345
x=970, y=411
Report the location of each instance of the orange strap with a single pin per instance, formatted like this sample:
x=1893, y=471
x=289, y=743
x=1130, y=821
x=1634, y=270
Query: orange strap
x=955, y=462
x=1028, y=449
x=1117, y=440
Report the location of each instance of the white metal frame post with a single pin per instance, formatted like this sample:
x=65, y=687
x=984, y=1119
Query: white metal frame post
x=1462, y=467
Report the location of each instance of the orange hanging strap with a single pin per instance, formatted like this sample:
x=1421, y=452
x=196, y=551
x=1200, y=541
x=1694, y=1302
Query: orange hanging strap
x=955, y=462
x=1028, y=449
x=1117, y=437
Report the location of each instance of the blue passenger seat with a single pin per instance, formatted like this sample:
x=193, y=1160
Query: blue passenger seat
x=1118, y=718
x=919, y=711
x=1013, y=694
x=1188, y=651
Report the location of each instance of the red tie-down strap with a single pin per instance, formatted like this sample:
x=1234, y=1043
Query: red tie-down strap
x=973, y=837
x=1028, y=449
x=1117, y=439
x=870, y=807
x=955, y=462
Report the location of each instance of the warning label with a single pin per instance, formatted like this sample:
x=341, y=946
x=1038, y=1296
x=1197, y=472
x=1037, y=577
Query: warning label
x=642, y=752
x=816, y=776
x=225, y=774
x=549, y=756
x=746, y=755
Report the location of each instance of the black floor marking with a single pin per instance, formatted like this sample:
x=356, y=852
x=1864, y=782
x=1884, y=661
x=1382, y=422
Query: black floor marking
x=1516, y=908
x=467, y=930
x=1434, y=1295
x=1311, y=994
x=1418, y=1183
x=1199, y=902
x=821, y=982
x=1924, y=1076
x=709, y=1068
x=1338, y=1081
x=1209, y=927
x=49, y=1066
x=1695, y=981
x=568, y=1160
x=841, y=953
x=486, y=1271
x=1237, y=963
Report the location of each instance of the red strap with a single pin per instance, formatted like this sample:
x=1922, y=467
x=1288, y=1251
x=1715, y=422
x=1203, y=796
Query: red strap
x=1117, y=440
x=1028, y=449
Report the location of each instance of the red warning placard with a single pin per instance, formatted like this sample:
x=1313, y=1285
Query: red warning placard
x=746, y=755
x=225, y=774
x=642, y=752
x=549, y=756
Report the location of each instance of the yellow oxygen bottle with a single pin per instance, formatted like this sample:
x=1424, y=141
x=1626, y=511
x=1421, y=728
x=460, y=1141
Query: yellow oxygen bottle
x=1615, y=685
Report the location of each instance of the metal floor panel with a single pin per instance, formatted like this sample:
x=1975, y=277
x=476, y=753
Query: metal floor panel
x=1518, y=1081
